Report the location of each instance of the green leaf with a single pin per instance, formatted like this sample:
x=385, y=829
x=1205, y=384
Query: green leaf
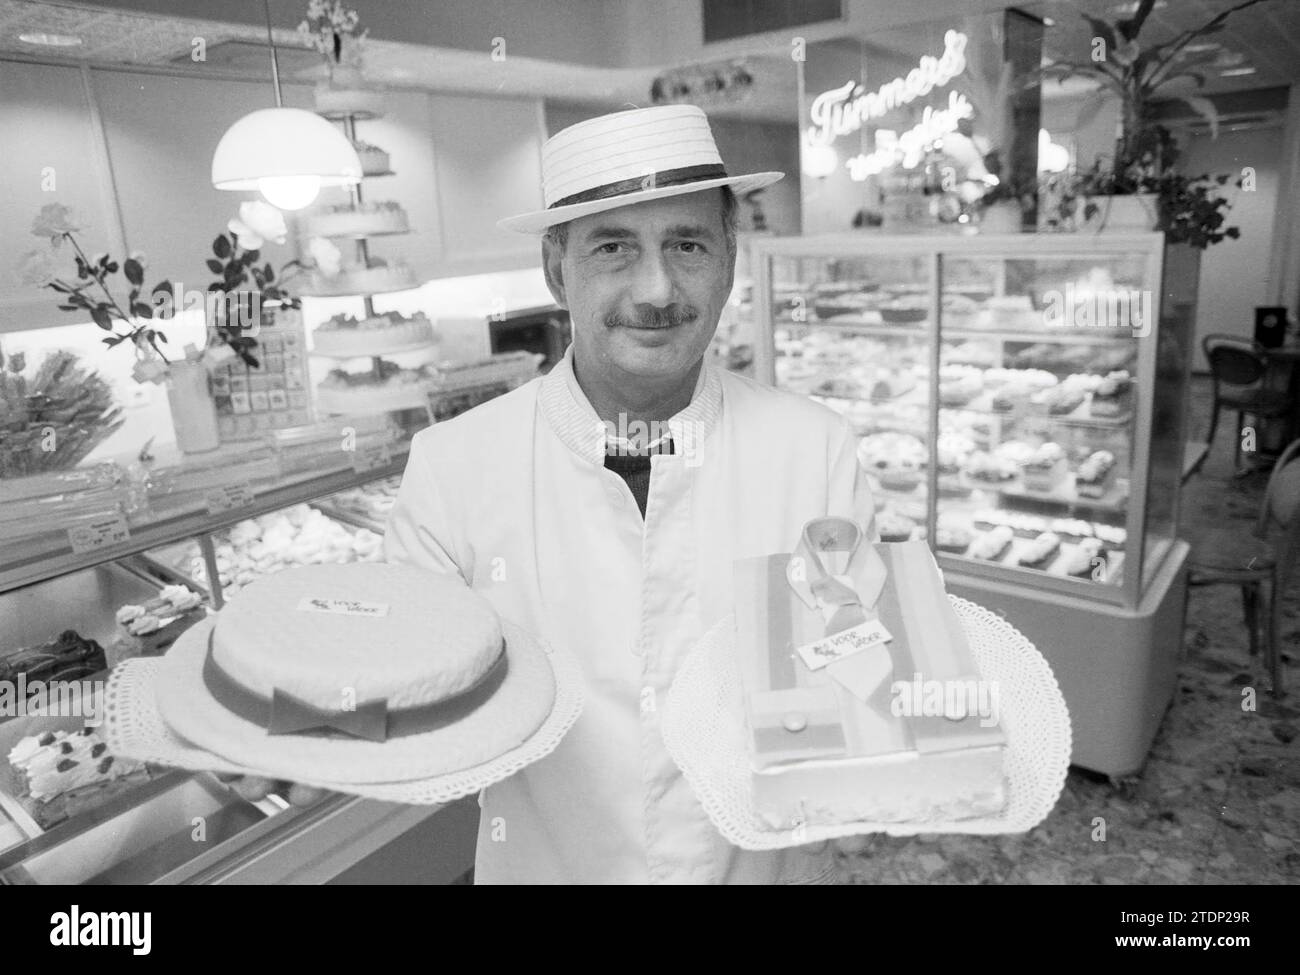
x=216, y=267
x=110, y=267
x=68, y=307
x=221, y=246
x=268, y=272
x=216, y=286
x=101, y=317
x=161, y=338
x=134, y=272
x=162, y=286
x=140, y=310
x=114, y=340
x=251, y=257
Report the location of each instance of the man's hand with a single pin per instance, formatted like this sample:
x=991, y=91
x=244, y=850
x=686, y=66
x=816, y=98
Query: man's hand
x=252, y=788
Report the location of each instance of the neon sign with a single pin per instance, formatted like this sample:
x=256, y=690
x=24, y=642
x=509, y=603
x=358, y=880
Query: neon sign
x=846, y=109
x=909, y=147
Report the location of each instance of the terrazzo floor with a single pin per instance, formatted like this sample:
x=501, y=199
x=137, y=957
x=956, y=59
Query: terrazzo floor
x=1218, y=801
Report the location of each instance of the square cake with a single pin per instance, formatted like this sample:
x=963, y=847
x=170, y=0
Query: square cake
x=916, y=740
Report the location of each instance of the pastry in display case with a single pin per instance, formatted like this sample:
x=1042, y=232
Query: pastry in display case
x=1004, y=391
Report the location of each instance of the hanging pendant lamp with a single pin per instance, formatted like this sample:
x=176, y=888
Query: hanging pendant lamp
x=288, y=154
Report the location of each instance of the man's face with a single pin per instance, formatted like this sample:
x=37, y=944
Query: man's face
x=644, y=284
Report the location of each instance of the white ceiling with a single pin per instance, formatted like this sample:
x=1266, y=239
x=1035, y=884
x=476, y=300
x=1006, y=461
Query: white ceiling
x=123, y=37
x=1266, y=37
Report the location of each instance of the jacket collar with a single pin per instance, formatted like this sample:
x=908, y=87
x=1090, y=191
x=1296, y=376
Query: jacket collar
x=577, y=424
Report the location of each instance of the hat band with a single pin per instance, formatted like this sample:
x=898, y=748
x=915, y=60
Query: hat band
x=283, y=714
x=650, y=181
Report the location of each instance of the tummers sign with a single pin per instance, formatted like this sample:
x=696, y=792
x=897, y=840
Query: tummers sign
x=844, y=110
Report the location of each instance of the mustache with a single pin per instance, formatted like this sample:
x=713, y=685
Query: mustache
x=651, y=317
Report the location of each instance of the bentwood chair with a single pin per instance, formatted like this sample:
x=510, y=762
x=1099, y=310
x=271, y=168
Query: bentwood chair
x=1239, y=368
x=1262, y=569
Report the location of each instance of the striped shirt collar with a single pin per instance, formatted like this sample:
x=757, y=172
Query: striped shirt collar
x=577, y=424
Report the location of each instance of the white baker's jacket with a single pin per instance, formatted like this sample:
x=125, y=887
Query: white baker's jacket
x=515, y=497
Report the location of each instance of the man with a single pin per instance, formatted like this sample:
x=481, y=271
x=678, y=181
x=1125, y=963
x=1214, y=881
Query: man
x=601, y=507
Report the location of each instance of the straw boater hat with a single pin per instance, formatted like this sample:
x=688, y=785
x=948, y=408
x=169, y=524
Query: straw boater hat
x=629, y=157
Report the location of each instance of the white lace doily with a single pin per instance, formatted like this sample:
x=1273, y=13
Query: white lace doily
x=703, y=728
x=134, y=729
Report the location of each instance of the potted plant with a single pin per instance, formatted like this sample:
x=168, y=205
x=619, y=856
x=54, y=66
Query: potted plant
x=1135, y=190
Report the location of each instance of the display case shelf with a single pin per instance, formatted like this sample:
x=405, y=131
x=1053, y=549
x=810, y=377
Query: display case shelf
x=38, y=562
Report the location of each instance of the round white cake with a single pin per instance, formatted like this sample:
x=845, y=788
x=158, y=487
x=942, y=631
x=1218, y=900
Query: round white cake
x=365, y=220
x=375, y=280
x=344, y=336
x=318, y=632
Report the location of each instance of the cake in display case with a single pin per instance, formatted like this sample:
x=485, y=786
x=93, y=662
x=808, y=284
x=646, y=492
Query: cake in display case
x=1004, y=392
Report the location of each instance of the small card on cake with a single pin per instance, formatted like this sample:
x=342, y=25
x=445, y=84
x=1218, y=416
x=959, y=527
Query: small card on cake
x=845, y=643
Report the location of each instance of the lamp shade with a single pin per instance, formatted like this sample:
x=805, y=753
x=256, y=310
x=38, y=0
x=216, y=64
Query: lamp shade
x=278, y=143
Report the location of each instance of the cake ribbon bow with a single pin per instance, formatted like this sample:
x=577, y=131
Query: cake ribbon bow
x=290, y=715
x=844, y=599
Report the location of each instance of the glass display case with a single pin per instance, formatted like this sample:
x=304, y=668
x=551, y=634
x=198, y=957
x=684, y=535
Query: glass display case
x=1003, y=388
x=1021, y=403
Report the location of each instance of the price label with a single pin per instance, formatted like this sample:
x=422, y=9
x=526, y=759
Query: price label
x=101, y=533
x=222, y=499
x=368, y=459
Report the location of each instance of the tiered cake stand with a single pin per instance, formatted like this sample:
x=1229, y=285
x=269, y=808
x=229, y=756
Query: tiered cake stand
x=416, y=397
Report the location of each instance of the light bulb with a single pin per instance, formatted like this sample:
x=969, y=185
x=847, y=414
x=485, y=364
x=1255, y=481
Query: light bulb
x=289, y=192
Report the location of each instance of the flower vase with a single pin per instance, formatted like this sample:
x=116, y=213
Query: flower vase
x=194, y=414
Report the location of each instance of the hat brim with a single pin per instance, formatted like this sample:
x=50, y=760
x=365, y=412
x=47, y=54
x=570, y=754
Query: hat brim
x=514, y=712
x=538, y=221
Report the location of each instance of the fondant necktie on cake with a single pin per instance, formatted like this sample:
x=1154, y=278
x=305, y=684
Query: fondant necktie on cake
x=845, y=599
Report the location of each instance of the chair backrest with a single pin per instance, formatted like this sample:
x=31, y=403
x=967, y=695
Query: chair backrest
x=1282, y=507
x=1234, y=360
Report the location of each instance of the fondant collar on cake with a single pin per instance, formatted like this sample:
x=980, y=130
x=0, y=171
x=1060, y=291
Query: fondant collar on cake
x=842, y=604
x=285, y=714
